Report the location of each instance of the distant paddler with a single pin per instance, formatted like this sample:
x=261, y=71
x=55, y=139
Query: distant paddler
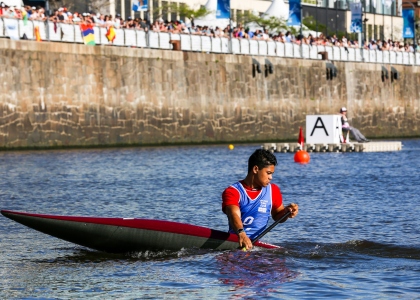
x=249, y=203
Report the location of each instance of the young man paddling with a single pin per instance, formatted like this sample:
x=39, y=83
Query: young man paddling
x=250, y=202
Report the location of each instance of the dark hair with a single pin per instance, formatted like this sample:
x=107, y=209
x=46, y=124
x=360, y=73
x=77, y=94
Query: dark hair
x=261, y=158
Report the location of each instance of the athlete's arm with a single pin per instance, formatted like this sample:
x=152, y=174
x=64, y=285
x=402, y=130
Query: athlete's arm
x=282, y=210
x=279, y=210
x=234, y=215
x=230, y=196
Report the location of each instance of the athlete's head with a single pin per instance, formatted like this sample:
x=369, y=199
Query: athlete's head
x=261, y=158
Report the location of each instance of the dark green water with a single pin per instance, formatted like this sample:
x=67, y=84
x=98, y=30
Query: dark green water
x=357, y=235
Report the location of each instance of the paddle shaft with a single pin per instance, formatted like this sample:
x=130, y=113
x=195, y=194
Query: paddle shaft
x=270, y=227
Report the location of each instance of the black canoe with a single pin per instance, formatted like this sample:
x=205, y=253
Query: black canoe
x=120, y=235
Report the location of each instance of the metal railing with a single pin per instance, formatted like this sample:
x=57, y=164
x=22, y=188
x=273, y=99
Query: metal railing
x=71, y=33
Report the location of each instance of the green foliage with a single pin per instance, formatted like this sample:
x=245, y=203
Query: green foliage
x=311, y=24
x=183, y=10
x=271, y=23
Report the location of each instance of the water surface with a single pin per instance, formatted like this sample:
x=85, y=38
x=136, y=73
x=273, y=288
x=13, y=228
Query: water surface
x=356, y=237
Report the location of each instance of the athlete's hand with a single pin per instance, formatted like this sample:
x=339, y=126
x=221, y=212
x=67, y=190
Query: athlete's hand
x=244, y=241
x=294, y=209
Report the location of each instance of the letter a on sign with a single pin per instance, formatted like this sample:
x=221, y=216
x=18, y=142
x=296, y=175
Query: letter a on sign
x=319, y=120
x=323, y=129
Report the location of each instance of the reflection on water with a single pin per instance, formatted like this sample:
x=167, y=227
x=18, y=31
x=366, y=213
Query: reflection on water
x=357, y=234
x=257, y=270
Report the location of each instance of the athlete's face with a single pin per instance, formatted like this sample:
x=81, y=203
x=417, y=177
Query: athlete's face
x=263, y=176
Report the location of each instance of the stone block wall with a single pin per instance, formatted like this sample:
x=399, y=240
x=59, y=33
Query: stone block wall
x=58, y=94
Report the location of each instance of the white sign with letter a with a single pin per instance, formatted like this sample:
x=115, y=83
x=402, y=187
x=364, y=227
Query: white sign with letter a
x=323, y=129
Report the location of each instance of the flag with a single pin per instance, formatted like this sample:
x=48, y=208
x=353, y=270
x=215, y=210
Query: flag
x=356, y=17
x=37, y=35
x=223, y=9
x=110, y=35
x=408, y=23
x=301, y=140
x=140, y=5
x=295, y=14
x=24, y=17
x=88, y=34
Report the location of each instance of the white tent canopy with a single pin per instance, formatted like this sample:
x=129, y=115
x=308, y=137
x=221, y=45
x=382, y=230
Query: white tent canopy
x=278, y=9
x=210, y=19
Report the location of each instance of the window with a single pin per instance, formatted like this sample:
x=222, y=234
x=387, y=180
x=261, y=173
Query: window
x=165, y=10
x=375, y=32
x=182, y=16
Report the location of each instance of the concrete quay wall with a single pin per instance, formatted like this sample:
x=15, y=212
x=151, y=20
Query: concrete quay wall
x=58, y=94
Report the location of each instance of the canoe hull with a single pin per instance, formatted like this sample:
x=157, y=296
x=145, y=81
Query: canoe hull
x=118, y=235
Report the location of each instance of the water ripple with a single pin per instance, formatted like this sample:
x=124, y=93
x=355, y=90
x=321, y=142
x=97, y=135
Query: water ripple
x=357, y=235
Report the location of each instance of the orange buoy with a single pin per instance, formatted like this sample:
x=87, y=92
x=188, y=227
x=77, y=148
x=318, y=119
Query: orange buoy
x=302, y=157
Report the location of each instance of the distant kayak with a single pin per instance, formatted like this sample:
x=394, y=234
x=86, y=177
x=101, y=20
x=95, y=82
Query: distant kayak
x=120, y=235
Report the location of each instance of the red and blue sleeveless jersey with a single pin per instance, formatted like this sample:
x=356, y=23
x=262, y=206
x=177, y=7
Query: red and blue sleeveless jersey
x=256, y=212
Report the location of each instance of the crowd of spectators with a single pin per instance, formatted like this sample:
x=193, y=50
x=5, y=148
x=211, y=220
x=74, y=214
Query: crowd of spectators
x=382, y=45
x=62, y=15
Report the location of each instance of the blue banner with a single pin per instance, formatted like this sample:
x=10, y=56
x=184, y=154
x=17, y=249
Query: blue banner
x=295, y=16
x=140, y=5
x=223, y=9
x=356, y=17
x=408, y=27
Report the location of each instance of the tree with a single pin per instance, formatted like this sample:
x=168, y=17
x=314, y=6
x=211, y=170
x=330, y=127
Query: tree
x=311, y=24
x=271, y=23
x=183, y=10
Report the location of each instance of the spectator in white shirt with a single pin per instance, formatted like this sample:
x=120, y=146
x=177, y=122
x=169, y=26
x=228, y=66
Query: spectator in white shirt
x=63, y=13
x=76, y=18
x=34, y=15
x=117, y=21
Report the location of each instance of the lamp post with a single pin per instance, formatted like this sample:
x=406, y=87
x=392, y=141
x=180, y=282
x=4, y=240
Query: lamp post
x=316, y=18
x=336, y=17
x=364, y=21
x=392, y=21
x=301, y=21
x=230, y=35
x=47, y=13
x=326, y=20
x=47, y=8
x=364, y=28
x=383, y=22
